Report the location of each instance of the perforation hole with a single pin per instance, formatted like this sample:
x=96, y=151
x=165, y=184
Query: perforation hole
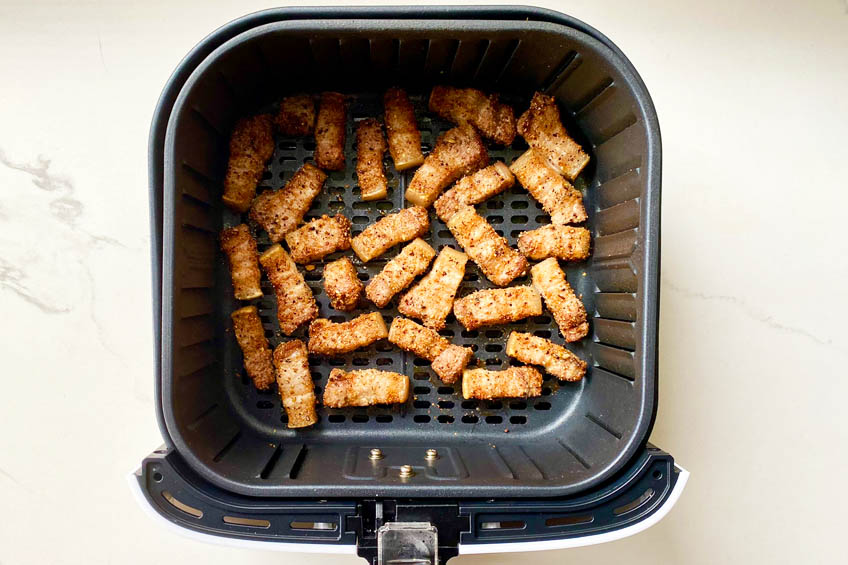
x=494, y=334
x=494, y=419
x=494, y=404
x=518, y=419
x=336, y=418
x=383, y=347
x=384, y=361
x=518, y=205
x=446, y=390
x=421, y=404
x=542, y=406
x=542, y=333
x=284, y=418
x=493, y=362
x=419, y=362
x=518, y=405
x=264, y=404
x=384, y=418
x=495, y=219
x=546, y=391
x=421, y=376
x=446, y=404
x=421, y=418
x=493, y=347
x=359, y=418
x=445, y=419
x=421, y=390
x=360, y=361
x=470, y=419
x=443, y=233
x=470, y=333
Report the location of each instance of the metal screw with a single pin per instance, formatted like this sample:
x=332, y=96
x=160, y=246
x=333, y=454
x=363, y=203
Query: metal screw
x=431, y=455
x=375, y=454
x=406, y=471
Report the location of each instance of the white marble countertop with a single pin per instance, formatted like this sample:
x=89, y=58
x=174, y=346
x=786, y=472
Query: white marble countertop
x=751, y=100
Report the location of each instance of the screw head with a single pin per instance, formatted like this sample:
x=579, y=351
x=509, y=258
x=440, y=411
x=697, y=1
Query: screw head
x=406, y=471
x=375, y=454
x=431, y=455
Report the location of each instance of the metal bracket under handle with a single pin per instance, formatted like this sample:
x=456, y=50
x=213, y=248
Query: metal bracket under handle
x=407, y=543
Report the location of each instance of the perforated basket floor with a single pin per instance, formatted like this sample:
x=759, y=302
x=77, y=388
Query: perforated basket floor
x=433, y=408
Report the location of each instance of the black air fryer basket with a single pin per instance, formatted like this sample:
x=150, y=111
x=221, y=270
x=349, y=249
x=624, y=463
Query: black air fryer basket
x=567, y=468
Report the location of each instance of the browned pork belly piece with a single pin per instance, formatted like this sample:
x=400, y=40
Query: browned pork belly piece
x=329, y=338
x=474, y=189
x=400, y=272
x=499, y=262
x=447, y=360
x=542, y=129
x=557, y=360
x=251, y=145
x=568, y=243
x=318, y=238
x=330, y=132
x=296, y=117
x=250, y=336
x=402, y=130
x=431, y=299
x=515, y=382
x=365, y=388
x=567, y=308
x=370, y=147
x=342, y=284
x=494, y=120
x=559, y=199
x=294, y=383
x=280, y=211
x=240, y=248
x=390, y=230
x=458, y=152
x=295, y=302
x=495, y=306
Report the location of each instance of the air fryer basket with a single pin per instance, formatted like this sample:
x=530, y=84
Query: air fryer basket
x=571, y=438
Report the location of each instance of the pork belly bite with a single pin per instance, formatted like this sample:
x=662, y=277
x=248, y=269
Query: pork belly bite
x=330, y=132
x=280, y=211
x=402, y=130
x=295, y=302
x=390, y=230
x=342, y=284
x=365, y=388
x=400, y=272
x=564, y=304
x=250, y=336
x=495, y=121
x=329, y=338
x=431, y=299
x=499, y=262
x=251, y=145
x=318, y=238
x=515, y=382
x=370, y=147
x=294, y=383
x=558, y=198
x=296, y=117
x=240, y=248
x=474, y=189
x=568, y=243
x=557, y=360
x=458, y=152
x=495, y=306
x=447, y=360
x=542, y=129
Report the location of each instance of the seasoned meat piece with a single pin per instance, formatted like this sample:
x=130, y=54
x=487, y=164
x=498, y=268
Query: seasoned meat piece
x=365, y=388
x=390, y=230
x=318, y=238
x=370, y=147
x=557, y=360
x=342, y=285
x=474, y=189
x=563, y=242
x=494, y=120
x=296, y=117
x=495, y=306
x=402, y=130
x=499, y=262
x=515, y=382
x=567, y=308
x=542, y=128
x=328, y=338
x=448, y=360
x=432, y=298
x=294, y=383
x=400, y=272
x=250, y=336
x=240, y=248
x=458, y=151
x=280, y=211
x=295, y=303
x=562, y=201
x=251, y=145
x=330, y=132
